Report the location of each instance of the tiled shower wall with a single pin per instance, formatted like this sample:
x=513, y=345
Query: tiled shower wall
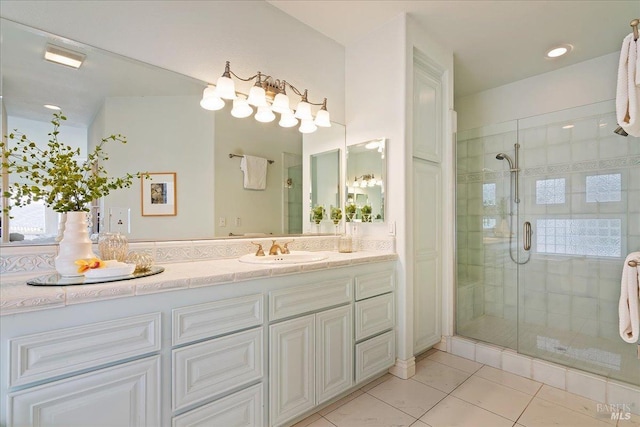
x=580, y=189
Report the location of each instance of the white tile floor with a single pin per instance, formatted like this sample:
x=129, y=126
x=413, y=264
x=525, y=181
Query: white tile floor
x=450, y=391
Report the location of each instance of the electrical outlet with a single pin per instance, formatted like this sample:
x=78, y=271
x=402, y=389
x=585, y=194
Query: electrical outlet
x=222, y=222
x=120, y=220
x=238, y=221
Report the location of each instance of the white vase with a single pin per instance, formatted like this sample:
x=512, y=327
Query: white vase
x=75, y=244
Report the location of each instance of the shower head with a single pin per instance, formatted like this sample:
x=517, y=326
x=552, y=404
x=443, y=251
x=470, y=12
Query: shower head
x=502, y=156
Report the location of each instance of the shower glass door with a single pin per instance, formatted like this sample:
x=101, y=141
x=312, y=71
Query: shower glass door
x=579, y=186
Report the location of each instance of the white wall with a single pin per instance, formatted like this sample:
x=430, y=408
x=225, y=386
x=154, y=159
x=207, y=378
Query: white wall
x=197, y=37
x=164, y=134
x=580, y=84
x=260, y=211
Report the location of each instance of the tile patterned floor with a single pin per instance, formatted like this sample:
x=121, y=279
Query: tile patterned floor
x=450, y=391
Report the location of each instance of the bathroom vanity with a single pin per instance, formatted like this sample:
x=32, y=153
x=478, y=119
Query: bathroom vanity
x=215, y=342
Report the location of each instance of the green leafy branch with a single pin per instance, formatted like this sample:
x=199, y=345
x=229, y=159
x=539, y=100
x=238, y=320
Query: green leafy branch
x=54, y=175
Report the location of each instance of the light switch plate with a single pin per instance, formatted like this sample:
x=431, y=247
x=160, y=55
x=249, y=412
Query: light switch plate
x=120, y=220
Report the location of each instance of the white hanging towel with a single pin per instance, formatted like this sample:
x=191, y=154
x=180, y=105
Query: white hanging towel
x=628, y=307
x=255, y=172
x=628, y=91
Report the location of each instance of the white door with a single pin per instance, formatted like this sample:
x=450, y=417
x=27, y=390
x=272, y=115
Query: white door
x=121, y=396
x=334, y=348
x=292, y=368
x=427, y=224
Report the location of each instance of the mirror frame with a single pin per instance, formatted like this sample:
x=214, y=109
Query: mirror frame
x=382, y=149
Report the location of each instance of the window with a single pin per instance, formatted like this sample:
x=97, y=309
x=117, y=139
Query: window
x=550, y=191
x=596, y=237
x=604, y=188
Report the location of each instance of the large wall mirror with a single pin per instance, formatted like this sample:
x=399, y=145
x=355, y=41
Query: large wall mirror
x=325, y=185
x=167, y=132
x=366, y=181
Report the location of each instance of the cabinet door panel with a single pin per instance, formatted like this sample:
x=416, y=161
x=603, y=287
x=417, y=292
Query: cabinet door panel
x=124, y=395
x=291, y=374
x=205, y=370
x=374, y=315
x=374, y=355
x=334, y=366
x=241, y=409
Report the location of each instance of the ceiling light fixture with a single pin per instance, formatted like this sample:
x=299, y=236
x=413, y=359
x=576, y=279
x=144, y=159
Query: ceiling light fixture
x=52, y=107
x=64, y=56
x=559, y=51
x=269, y=96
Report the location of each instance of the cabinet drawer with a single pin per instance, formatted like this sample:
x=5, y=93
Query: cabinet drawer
x=303, y=299
x=205, y=370
x=123, y=395
x=216, y=318
x=375, y=355
x=241, y=409
x=374, y=315
x=52, y=354
x=370, y=285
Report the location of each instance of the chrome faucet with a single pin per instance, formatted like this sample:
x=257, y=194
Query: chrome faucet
x=275, y=249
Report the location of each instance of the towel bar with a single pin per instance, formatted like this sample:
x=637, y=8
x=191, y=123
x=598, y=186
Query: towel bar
x=633, y=263
x=240, y=155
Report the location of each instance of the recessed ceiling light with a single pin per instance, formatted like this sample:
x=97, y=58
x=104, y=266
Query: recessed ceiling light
x=63, y=56
x=559, y=51
x=52, y=107
x=567, y=127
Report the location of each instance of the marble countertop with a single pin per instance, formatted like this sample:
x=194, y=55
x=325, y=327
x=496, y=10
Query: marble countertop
x=17, y=297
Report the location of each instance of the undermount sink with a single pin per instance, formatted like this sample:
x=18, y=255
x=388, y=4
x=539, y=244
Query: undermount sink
x=295, y=257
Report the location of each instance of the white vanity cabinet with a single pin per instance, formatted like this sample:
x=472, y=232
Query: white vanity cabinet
x=125, y=394
x=311, y=357
x=374, y=323
x=228, y=361
x=256, y=351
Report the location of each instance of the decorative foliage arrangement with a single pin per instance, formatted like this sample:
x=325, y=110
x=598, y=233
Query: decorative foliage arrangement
x=55, y=175
x=336, y=215
x=318, y=214
x=350, y=210
x=366, y=213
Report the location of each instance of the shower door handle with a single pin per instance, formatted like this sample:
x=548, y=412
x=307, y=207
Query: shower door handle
x=527, y=235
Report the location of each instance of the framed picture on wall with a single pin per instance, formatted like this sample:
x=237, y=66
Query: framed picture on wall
x=158, y=195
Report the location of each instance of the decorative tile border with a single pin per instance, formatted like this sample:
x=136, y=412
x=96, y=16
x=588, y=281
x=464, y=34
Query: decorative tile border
x=40, y=259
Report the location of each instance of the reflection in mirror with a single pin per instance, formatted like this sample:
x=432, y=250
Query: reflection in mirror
x=167, y=131
x=366, y=181
x=325, y=185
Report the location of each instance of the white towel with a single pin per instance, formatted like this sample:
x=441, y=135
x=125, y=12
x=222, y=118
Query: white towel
x=255, y=172
x=628, y=307
x=627, y=91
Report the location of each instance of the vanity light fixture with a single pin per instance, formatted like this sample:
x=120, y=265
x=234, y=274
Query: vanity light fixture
x=366, y=180
x=268, y=96
x=64, y=56
x=559, y=51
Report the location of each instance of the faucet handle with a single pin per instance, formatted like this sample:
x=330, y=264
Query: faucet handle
x=259, y=252
x=285, y=248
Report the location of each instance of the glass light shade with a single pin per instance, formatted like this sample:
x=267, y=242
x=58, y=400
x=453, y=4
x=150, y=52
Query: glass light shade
x=257, y=97
x=303, y=111
x=372, y=183
x=322, y=119
x=307, y=126
x=225, y=88
x=264, y=115
x=355, y=184
x=280, y=103
x=287, y=120
x=210, y=101
x=241, y=108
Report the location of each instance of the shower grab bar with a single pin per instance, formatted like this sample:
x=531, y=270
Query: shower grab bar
x=527, y=235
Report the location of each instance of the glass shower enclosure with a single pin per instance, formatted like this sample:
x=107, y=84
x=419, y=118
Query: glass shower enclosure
x=579, y=188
